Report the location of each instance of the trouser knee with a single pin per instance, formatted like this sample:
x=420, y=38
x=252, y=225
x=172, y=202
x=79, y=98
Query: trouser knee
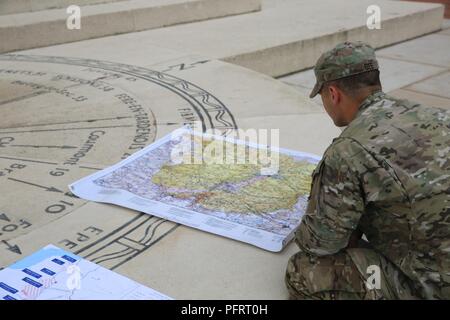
x=326, y=277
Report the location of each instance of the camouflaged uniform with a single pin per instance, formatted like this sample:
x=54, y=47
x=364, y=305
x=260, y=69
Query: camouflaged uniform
x=387, y=175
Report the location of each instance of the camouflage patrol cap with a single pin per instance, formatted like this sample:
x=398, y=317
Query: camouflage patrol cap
x=346, y=59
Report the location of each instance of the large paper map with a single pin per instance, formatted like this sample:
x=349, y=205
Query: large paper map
x=253, y=202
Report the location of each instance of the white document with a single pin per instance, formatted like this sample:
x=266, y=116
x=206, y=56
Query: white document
x=260, y=204
x=54, y=274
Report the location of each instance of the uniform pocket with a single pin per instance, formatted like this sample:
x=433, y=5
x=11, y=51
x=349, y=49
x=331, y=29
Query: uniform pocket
x=314, y=176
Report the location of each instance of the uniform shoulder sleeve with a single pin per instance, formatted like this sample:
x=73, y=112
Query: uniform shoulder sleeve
x=336, y=200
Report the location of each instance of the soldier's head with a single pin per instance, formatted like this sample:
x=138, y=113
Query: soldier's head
x=345, y=76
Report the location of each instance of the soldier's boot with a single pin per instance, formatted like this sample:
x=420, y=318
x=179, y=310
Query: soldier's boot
x=357, y=274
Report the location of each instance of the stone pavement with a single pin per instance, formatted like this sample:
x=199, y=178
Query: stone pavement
x=69, y=110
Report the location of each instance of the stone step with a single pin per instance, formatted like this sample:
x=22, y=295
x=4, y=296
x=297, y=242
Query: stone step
x=288, y=36
x=49, y=27
x=19, y=6
x=446, y=3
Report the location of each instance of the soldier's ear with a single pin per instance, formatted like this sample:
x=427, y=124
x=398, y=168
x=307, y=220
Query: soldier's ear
x=335, y=94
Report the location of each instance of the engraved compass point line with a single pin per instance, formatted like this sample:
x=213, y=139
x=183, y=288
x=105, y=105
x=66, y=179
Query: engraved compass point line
x=90, y=168
x=32, y=95
x=169, y=123
x=13, y=248
x=65, y=129
x=28, y=160
x=33, y=146
x=24, y=97
x=51, y=189
x=67, y=122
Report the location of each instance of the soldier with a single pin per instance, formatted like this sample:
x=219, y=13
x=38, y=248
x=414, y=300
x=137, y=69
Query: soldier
x=386, y=179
